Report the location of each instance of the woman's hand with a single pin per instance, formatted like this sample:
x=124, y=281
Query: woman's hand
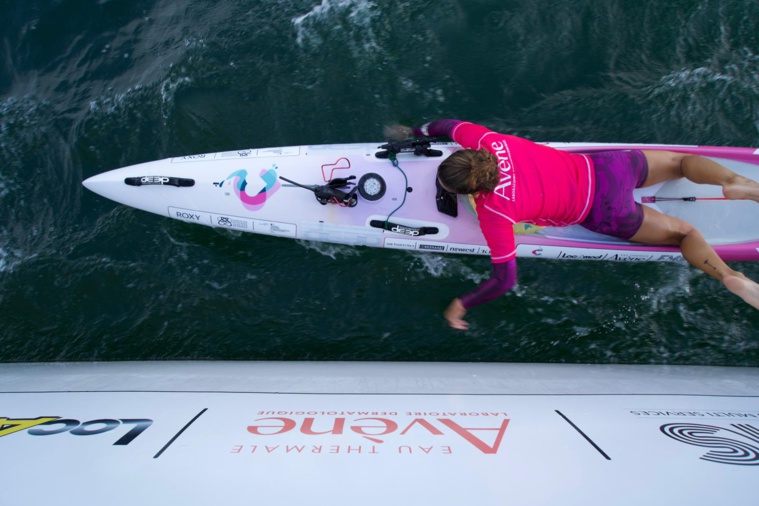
x=398, y=132
x=454, y=313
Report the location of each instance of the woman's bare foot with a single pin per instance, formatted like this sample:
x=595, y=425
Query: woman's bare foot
x=743, y=288
x=742, y=188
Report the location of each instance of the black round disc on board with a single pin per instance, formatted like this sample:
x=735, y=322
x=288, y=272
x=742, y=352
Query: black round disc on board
x=371, y=186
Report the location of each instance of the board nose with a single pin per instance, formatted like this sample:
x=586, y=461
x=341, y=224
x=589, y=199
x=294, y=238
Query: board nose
x=91, y=182
x=98, y=183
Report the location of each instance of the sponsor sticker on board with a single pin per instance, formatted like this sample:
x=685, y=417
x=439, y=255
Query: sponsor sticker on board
x=191, y=215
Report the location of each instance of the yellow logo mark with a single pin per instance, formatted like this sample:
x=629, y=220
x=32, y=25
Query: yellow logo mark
x=11, y=425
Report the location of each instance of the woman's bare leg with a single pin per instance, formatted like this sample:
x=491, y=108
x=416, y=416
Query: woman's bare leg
x=658, y=228
x=668, y=165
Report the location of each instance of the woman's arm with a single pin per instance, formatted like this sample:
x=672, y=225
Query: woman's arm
x=502, y=279
x=438, y=128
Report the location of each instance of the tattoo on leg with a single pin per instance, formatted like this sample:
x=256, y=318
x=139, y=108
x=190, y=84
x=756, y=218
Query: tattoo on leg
x=706, y=262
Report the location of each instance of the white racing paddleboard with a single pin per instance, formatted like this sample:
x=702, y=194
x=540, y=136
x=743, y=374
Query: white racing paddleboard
x=355, y=194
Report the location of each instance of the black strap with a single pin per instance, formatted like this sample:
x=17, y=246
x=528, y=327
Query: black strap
x=404, y=229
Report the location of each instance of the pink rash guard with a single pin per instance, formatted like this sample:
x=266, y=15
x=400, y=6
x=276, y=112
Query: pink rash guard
x=537, y=184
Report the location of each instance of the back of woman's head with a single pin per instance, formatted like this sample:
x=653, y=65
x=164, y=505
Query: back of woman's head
x=469, y=171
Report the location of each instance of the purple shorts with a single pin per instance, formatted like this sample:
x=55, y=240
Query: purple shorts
x=614, y=211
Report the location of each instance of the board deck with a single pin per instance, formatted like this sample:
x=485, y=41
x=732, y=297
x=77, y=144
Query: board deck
x=199, y=433
x=259, y=190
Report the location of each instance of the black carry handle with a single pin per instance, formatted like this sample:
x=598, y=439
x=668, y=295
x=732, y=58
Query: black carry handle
x=404, y=229
x=159, y=180
x=420, y=147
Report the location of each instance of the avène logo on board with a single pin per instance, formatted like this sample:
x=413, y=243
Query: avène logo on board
x=374, y=432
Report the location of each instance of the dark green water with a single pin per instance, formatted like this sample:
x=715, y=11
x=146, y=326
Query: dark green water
x=88, y=86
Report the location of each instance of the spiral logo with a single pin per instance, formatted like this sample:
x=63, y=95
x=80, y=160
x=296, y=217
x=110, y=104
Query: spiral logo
x=737, y=446
x=254, y=195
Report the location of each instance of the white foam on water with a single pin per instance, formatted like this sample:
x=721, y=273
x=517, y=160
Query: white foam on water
x=116, y=103
x=170, y=86
x=665, y=294
x=329, y=249
x=113, y=103
x=359, y=13
x=4, y=190
x=731, y=81
x=439, y=266
x=3, y=259
x=434, y=265
x=9, y=257
x=216, y=285
x=17, y=116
